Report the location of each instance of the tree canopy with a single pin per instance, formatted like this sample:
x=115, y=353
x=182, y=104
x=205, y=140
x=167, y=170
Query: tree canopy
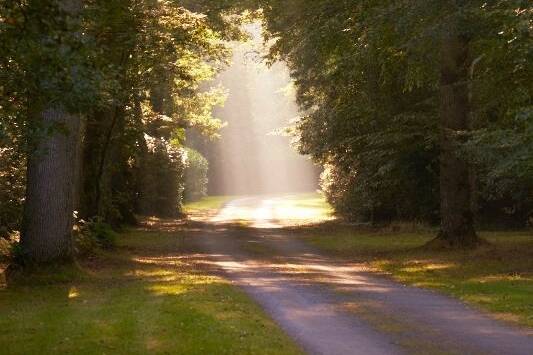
x=415, y=109
x=369, y=78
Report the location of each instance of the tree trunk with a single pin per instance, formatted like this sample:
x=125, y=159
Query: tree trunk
x=52, y=172
x=51, y=190
x=97, y=163
x=457, y=222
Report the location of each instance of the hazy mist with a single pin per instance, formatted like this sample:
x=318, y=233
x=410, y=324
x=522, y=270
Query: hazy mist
x=251, y=157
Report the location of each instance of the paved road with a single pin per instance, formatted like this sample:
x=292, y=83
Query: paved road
x=335, y=307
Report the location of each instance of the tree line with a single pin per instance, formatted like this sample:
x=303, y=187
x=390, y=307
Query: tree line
x=418, y=109
x=95, y=100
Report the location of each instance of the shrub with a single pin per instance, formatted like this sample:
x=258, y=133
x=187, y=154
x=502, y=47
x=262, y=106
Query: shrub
x=161, y=178
x=407, y=193
x=12, y=189
x=196, y=168
x=93, y=235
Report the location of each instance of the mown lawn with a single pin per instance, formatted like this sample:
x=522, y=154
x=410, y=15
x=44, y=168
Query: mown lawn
x=143, y=298
x=497, y=277
x=207, y=203
x=305, y=208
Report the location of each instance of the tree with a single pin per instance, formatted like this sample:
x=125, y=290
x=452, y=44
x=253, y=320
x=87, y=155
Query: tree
x=69, y=63
x=160, y=54
x=54, y=158
x=394, y=93
x=457, y=220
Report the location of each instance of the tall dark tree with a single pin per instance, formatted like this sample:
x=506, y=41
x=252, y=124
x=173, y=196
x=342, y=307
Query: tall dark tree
x=54, y=158
x=457, y=220
x=51, y=191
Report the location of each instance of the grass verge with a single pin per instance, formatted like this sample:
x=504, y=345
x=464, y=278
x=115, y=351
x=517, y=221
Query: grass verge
x=145, y=297
x=497, y=277
x=305, y=208
x=207, y=203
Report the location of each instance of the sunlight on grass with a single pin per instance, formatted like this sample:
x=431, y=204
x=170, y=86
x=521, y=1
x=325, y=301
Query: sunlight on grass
x=208, y=203
x=167, y=289
x=73, y=292
x=309, y=207
x=143, y=298
x=425, y=266
x=278, y=210
x=498, y=277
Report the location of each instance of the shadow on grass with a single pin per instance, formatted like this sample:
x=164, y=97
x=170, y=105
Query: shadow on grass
x=148, y=296
x=160, y=293
x=497, y=275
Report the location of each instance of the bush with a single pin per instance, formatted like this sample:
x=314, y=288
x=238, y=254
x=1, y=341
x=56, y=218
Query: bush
x=196, y=168
x=93, y=235
x=406, y=193
x=161, y=178
x=338, y=187
x=12, y=190
x=9, y=248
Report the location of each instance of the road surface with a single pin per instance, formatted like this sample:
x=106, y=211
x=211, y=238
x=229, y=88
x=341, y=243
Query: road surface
x=336, y=307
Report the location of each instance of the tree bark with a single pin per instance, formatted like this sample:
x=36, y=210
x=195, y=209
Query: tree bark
x=52, y=174
x=51, y=190
x=457, y=221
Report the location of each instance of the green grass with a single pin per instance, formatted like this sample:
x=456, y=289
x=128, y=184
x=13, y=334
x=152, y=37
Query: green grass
x=5, y=250
x=143, y=298
x=498, y=277
x=208, y=203
x=314, y=202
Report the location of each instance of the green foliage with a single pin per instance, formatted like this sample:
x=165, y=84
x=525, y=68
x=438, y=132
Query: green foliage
x=103, y=233
x=367, y=79
x=12, y=125
x=131, y=69
x=12, y=189
x=155, y=90
x=37, y=32
x=16, y=255
x=504, y=161
x=196, y=167
x=161, y=178
x=93, y=235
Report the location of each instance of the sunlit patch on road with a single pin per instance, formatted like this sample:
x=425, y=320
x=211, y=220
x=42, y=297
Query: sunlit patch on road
x=276, y=212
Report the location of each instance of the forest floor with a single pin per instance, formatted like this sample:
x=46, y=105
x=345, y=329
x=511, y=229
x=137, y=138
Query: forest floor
x=322, y=285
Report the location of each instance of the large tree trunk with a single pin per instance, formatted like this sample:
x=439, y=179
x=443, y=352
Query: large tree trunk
x=457, y=222
x=51, y=189
x=53, y=170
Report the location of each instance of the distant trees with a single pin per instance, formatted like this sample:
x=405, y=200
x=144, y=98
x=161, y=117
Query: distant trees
x=400, y=100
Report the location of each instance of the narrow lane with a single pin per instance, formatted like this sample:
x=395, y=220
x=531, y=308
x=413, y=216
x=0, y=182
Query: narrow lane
x=336, y=307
